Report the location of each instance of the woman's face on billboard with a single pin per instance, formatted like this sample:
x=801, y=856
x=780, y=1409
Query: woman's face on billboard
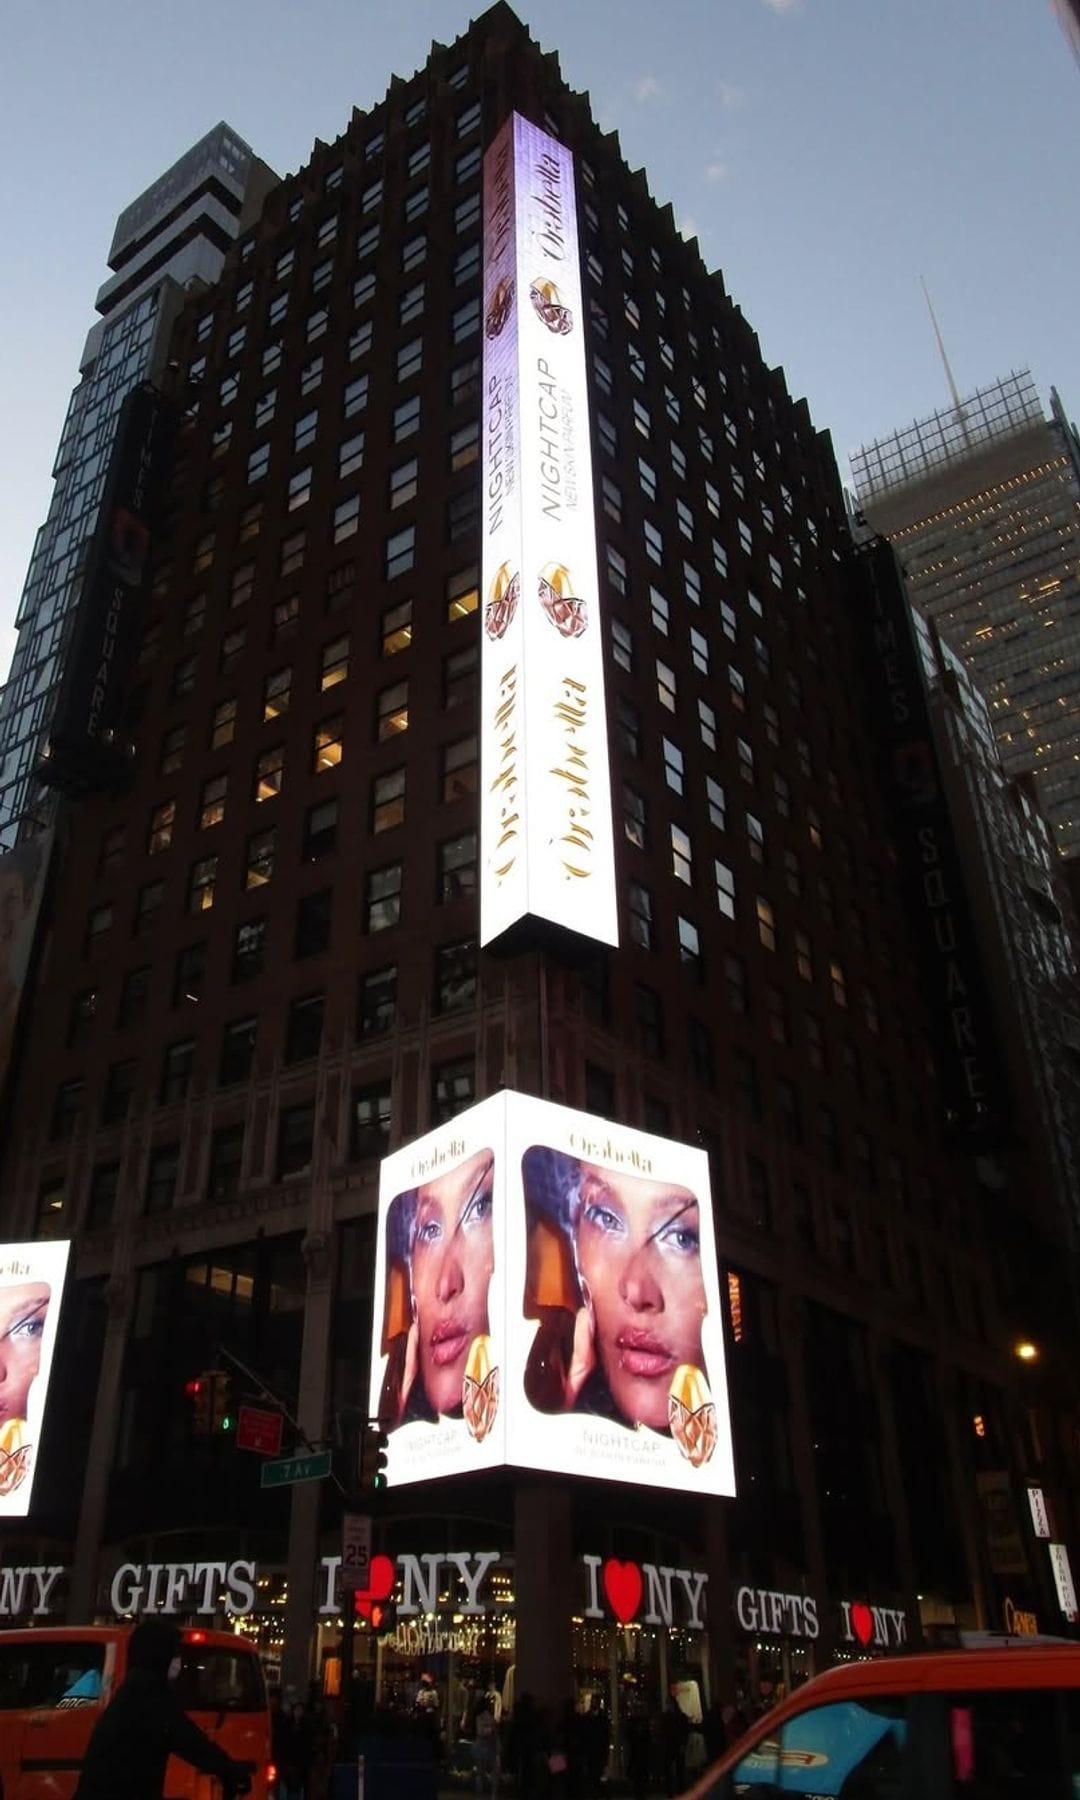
x=22, y=1325
x=452, y=1262
x=639, y=1258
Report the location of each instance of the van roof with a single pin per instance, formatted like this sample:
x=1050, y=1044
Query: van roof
x=1009, y=1662
x=107, y=1634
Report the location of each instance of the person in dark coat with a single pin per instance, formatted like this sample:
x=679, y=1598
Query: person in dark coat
x=144, y=1724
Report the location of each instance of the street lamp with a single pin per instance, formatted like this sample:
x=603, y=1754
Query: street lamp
x=1027, y=1351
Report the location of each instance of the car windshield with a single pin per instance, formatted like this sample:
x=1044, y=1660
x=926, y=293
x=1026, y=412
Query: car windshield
x=219, y=1680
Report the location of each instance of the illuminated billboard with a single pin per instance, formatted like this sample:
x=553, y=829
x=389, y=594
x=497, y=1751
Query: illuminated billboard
x=546, y=830
x=31, y=1295
x=547, y=1295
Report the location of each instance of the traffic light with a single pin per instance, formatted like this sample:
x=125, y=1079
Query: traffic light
x=221, y=1412
x=383, y=1617
x=200, y=1393
x=373, y=1448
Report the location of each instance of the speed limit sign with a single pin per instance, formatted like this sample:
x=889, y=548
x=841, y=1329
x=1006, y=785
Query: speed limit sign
x=356, y=1552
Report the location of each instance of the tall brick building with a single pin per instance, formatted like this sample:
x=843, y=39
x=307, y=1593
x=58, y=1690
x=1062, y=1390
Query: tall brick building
x=258, y=968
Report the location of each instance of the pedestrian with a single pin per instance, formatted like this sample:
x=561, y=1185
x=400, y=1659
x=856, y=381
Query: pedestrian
x=297, y=1743
x=486, y=1751
x=144, y=1724
x=638, y=1740
x=674, y=1731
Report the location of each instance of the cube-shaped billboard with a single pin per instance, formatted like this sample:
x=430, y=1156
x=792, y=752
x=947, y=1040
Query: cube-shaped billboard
x=547, y=1296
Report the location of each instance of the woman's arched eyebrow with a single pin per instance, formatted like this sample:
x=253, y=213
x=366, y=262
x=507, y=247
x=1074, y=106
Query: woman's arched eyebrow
x=34, y=1312
x=665, y=1223
x=478, y=1186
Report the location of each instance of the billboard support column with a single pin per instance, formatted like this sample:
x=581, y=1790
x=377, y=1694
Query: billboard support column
x=544, y=1593
x=301, y=1603
x=84, y=1570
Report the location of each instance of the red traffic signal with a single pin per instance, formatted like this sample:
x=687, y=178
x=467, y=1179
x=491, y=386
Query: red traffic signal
x=210, y=1397
x=199, y=1394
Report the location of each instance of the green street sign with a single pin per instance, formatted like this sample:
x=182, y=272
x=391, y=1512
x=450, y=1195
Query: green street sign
x=311, y=1467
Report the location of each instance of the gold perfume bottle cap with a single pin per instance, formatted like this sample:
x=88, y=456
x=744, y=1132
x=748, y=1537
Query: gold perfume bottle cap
x=480, y=1389
x=692, y=1414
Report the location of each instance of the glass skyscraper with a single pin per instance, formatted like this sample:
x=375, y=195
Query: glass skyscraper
x=170, y=239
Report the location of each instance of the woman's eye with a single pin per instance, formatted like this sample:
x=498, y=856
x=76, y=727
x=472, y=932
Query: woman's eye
x=683, y=1238
x=27, y=1328
x=602, y=1217
x=428, y=1232
x=479, y=1208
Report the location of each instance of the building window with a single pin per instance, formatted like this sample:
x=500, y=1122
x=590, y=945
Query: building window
x=320, y=830
x=453, y=1088
x=649, y=1018
x=172, y=750
x=101, y=1198
x=382, y=897
x=400, y=552
x=83, y=1014
x=639, y=903
x=690, y=946
x=404, y=481
x=699, y=1044
x=462, y=594
x=313, y=919
x=292, y=553
x=370, y=1133
x=162, y=820
x=464, y=446
x=328, y=746
x=456, y=867
x=148, y=908
x=460, y=768
x=838, y=982
x=162, y=1172
x=119, y=1088
x=201, y=882
x=395, y=629
x=212, y=801
x=259, y=858
x=355, y=396
x=673, y=766
x=391, y=711
x=666, y=690
x=296, y=1136
x=351, y=455
x=456, y=983
x=189, y=975
x=303, y=1032
x=815, y=1042
x=226, y=1161
x=755, y=838
x=628, y=723
x=223, y=724
x=410, y=359
x=460, y=675
x=634, y=819
x=462, y=514
x=388, y=800
x=249, y=950
x=766, y=923
x=133, y=997
x=376, y=1007
x=269, y=773
x=804, y=956
x=406, y=421
x=238, y=1050
x=176, y=1070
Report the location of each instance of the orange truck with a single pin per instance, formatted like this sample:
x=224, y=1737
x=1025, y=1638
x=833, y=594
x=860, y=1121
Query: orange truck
x=55, y=1682
x=994, y=1723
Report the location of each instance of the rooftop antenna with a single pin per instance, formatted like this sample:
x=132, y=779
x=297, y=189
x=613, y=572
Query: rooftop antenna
x=950, y=378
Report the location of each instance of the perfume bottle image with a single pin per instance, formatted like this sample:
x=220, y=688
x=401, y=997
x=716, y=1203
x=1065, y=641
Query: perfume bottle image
x=397, y=1320
x=552, y=1291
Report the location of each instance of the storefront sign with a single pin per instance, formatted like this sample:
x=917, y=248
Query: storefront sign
x=876, y=1627
x=1063, y=1581
x=780, y=1615
x=1040, y=1518
x=627, y=1585
x=183, y=1587
x=420, y=1580
x=431, y=1637
x=1019, y=1624
x=28, y=1589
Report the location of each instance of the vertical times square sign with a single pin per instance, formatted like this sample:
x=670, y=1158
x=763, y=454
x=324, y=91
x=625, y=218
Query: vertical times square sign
x=546, y=829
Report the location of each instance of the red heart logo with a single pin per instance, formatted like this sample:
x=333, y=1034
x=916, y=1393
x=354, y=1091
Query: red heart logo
x=862, y=1622
x=622, y=1585
x=380, y=1584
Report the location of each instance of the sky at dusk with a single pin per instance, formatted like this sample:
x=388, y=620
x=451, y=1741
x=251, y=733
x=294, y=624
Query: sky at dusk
x=826, y=154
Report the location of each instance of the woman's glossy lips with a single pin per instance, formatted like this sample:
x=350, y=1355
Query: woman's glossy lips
x=448, y=1341
x=644, y=1355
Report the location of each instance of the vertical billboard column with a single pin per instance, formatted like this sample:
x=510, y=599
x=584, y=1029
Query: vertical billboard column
x=546, y=826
